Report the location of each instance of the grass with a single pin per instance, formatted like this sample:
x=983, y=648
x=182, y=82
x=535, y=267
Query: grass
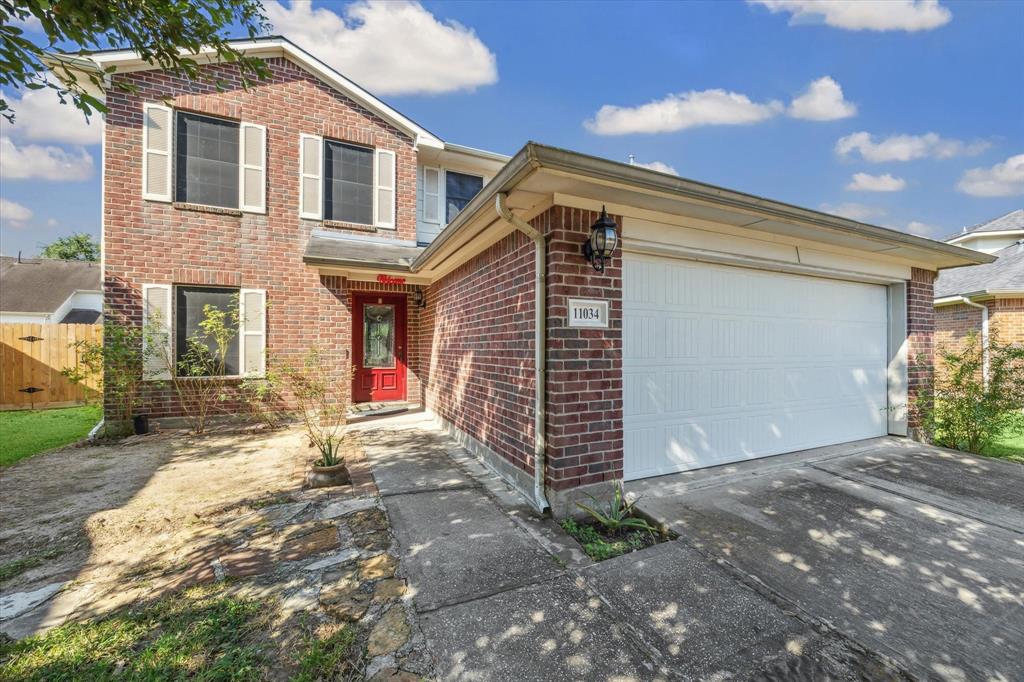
x=600, y=546
x=12, y=569
x=200, y=633
x=1009, y=445
x=28, y=432
x=336, y=657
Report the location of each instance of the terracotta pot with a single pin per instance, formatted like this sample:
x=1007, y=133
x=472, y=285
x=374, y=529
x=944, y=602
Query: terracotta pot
x=325, y=477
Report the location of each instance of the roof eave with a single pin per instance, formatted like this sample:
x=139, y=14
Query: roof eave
x=535, y=156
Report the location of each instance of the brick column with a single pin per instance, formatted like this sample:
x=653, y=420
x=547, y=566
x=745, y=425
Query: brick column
x=920, y=338
x=584, y=366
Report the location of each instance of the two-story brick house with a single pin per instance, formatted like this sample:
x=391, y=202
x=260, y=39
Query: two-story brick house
x=720, y=327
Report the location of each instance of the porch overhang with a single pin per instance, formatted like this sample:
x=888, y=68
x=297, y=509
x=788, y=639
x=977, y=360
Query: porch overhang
x=361, y=258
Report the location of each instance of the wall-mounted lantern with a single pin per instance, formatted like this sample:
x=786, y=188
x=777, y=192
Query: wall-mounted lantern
x=601, y=244
x=419, y=298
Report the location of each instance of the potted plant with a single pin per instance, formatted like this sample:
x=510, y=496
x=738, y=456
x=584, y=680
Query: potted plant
x=321, y=406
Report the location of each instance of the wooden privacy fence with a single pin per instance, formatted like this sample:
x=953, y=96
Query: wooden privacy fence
x=31, y=359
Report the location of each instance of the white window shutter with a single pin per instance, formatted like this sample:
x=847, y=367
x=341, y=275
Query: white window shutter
x=384, y=190
x=157, y=355
x=311, y=174
x=252, y=168
x=252, y=348
x=431, y=195
x=157, y=143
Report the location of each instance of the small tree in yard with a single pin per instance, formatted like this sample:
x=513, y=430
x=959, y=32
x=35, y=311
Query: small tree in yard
x=965, y=411
x=321, y=404
x=197, y=375
x=114, y=364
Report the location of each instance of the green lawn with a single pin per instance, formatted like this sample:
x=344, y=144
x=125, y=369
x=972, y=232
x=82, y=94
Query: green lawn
x=28, y=432
x=1008, y=446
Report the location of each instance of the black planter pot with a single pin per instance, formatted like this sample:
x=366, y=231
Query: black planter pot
x=140, y=423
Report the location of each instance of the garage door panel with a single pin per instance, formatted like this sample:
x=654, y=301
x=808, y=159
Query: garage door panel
x=722, y=364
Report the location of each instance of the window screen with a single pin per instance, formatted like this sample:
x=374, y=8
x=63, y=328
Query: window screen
x=348, y=183
x=459, y=190
x=188, y=313
x=206, y=161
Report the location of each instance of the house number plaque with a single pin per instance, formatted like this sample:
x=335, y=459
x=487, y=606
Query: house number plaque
x=588, y=313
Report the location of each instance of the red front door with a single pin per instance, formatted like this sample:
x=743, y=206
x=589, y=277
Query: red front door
x=378, y=345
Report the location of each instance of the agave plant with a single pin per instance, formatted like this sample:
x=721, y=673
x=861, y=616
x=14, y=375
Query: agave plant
x=617, y=513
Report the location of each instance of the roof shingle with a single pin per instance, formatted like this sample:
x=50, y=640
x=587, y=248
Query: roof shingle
x=41, y=285
x=1005, y=273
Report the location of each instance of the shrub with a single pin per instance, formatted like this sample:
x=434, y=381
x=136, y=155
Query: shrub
x=961, y=408
x=114, y=364
x=197, y=377
x=321, y=399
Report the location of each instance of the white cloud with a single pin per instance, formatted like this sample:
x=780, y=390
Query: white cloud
x=13, y=214
x=864, y=15
x=40, y=117
x=853, y=211
x=681, y=111
x=865, y=182
x=423, y=56
x=1004, y=179
x=45, y=163
x=822, y=101
x=906, y=147
x=657, y=166
x=922, y=229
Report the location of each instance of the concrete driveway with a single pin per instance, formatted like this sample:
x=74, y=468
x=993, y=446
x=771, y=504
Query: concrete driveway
x=878, y=560
x=912, y=552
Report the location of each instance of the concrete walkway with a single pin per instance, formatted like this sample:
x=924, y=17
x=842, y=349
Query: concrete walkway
x=504, y=595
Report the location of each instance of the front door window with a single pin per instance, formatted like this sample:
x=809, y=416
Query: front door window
x=378, y=336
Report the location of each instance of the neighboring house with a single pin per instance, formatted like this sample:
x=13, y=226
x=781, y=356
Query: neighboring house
x=988, y=297
x=723, y=326
x=45, y=291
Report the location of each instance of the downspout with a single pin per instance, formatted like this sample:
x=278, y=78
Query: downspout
x=984, y=337
x=540, y=501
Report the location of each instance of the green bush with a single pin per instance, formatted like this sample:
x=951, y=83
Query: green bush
x=964, y=409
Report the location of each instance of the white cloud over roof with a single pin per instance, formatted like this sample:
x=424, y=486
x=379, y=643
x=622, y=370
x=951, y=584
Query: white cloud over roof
x=423, y=54
x=1005, y=179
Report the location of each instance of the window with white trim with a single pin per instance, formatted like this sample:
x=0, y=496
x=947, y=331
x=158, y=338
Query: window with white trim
x=347, y=182
x=204, y=160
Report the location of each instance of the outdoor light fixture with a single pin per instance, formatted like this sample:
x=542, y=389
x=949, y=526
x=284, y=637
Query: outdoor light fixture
x=419, y=298
x=601, y=244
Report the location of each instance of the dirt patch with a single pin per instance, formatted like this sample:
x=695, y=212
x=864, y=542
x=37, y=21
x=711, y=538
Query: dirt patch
x=123, y=509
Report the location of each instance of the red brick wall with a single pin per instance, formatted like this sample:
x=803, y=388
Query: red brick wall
x=477, y=348
x=477, y=353
x=1006, y=315
x=954, y=322
x=584, y=372
x=952, y=325
x=153, y=242
x=920, y=336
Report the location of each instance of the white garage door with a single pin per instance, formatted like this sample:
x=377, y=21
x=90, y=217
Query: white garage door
x=723, y=364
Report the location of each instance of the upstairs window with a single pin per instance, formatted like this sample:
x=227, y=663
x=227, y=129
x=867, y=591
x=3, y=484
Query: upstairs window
x=348, y=183
x=206, y=161
x=460, y=188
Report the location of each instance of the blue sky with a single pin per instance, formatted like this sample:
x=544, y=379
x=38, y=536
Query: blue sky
x=927, y=98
